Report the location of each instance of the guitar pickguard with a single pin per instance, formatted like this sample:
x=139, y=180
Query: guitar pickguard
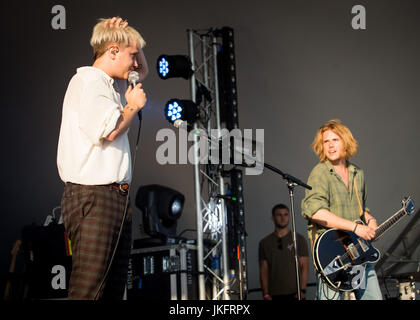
x=345, y=270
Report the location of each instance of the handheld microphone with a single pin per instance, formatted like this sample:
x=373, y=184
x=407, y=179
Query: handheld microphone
x=133, y=79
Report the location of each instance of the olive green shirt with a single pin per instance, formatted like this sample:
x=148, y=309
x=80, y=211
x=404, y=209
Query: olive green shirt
x=330, y=192
x=280, y=256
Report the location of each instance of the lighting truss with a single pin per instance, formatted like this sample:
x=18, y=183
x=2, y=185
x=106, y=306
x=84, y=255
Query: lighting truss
x=217, y=277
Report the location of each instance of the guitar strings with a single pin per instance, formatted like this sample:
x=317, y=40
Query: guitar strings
x=385, y=225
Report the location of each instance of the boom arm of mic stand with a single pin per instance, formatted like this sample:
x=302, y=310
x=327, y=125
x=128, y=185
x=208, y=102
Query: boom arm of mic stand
x=287, y=177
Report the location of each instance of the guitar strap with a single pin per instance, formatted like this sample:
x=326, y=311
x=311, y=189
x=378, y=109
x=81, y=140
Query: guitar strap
x=358, y=198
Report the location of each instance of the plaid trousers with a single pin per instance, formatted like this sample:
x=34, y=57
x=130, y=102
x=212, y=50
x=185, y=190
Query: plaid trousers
x=92, y=217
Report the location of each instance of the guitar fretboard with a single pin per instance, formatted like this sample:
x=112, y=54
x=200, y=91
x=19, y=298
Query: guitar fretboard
x=389, y=223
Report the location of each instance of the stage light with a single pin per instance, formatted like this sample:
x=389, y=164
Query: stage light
x=181, y=109
x=174, y=66
x=161, y=207
x=163, y=67
x=173, y=111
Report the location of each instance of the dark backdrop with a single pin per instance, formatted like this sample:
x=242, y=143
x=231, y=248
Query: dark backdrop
x=299, y=64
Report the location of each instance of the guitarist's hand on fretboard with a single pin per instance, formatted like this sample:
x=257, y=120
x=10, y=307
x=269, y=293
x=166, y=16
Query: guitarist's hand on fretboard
x=365, y=232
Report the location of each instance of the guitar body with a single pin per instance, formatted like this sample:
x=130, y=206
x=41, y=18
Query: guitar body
x=341, y=257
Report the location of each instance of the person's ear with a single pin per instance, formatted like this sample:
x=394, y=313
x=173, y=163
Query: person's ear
x=112, y=51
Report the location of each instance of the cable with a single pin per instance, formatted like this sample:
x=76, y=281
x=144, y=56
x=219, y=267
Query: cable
x=326, y=294
x=125, y=213
x=186, y=230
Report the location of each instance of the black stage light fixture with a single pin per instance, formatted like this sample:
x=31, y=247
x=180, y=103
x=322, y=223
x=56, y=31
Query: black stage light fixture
x=186, y=110
x=161, y=207
x=174, y=66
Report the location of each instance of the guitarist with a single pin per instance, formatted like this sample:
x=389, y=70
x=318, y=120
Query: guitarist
x=337, y=199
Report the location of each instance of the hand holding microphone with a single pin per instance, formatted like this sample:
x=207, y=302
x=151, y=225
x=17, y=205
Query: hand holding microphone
x=135, y=95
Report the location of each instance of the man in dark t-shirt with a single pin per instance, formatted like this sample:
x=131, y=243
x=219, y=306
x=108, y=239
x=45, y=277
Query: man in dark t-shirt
x=277, y=260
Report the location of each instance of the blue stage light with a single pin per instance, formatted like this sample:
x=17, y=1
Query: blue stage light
x=163, y=67
x=174, y=66
x=181, y=109
x=174, y=111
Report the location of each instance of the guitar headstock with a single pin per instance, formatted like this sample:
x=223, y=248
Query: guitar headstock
x=408, y=205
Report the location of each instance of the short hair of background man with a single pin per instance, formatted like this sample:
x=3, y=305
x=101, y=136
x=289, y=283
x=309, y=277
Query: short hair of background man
x=278, y=206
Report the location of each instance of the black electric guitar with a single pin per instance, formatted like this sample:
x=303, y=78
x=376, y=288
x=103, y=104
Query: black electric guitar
x=341, y=256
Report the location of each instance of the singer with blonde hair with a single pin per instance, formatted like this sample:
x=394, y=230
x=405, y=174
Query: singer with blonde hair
x=94, y=160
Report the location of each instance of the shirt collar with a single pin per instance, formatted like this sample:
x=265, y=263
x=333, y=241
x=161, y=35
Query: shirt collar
x=96, y=70
x=351, y=167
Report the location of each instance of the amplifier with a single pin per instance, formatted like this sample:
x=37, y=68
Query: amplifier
x=48, y=262
x=163, y=273
x=401, y=287
x=409, y=290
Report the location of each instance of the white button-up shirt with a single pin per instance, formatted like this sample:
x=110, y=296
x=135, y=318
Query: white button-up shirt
x=90, y=113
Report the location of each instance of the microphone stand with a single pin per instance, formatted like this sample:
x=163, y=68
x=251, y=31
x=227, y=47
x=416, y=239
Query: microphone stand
x=292, y=182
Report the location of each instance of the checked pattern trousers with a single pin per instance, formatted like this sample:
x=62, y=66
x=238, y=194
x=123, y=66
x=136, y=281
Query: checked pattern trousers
x=92, y=217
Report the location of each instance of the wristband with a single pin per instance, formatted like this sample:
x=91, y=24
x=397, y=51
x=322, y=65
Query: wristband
x=354, y=230
x=266, y=295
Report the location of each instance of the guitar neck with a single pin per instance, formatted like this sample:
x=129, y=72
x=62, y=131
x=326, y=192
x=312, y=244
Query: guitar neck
x=385, y=226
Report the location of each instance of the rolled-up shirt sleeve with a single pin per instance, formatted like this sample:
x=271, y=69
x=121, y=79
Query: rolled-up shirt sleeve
x=99, y=113
x=318, y=197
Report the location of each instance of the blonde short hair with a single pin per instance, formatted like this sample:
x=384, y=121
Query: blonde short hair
x=103, y=35
x=335, y=125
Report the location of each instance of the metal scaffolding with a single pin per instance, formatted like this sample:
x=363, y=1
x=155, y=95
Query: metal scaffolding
x=215, y=187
